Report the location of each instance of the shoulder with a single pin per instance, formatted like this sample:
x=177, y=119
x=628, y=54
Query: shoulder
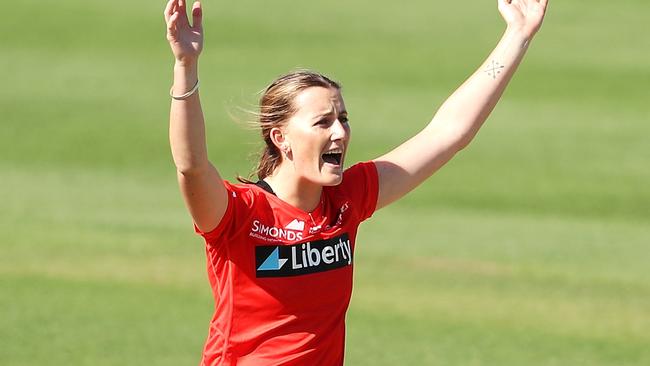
x=365, y=168
x=359, y=176
x=244, y=198
x=246, y=192
x=359, y=189
x=244, y=201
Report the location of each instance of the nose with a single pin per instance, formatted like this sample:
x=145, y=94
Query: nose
x=340, y=131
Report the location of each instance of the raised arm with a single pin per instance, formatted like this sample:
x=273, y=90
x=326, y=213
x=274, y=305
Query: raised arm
x=200, y=183
x=462, y=114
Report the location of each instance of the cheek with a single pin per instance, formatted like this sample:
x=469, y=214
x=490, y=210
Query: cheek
x=306, y=148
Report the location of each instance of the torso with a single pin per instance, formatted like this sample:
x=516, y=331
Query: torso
x=282, y=278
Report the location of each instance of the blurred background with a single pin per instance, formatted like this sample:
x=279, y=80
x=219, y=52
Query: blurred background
x=530, y=248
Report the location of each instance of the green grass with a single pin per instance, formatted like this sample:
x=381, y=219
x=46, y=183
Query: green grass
x=530, y=248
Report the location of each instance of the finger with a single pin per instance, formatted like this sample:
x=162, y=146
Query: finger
x=544, y=3
x=182, y=9
x=169, y=10
x=172, y=24
x=197, y=14
x=182, y=4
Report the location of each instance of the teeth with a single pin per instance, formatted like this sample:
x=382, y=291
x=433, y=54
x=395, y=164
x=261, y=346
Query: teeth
x=335, y=151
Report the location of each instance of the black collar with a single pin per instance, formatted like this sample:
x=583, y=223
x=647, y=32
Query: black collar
x=265, y=186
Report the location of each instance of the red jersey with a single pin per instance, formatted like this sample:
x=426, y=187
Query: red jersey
x=282, y=277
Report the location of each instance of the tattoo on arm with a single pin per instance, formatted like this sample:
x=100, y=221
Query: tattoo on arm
x=494, y=69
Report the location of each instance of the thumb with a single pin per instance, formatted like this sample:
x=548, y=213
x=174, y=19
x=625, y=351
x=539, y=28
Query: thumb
x=197, y=14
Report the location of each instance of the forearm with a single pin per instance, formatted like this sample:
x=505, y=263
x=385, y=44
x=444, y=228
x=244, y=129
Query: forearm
x=463, y=113
x=186, y=123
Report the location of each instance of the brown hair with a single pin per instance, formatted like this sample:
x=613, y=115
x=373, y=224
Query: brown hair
x=276, y=107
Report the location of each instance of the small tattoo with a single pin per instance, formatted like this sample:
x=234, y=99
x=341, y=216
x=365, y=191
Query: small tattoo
x=494, y=69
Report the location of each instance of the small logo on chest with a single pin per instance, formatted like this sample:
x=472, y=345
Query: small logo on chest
x=291, y=232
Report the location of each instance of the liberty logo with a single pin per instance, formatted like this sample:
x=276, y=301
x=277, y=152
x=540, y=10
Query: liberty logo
x=273, y=262
x=303, y=258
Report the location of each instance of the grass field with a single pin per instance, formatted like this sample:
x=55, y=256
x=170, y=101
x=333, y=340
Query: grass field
x=532, y=247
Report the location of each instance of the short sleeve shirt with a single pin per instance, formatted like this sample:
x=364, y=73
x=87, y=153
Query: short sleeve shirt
x=282, y=277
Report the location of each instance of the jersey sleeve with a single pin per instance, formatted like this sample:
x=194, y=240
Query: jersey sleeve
x=239, y=204
x=361, y=183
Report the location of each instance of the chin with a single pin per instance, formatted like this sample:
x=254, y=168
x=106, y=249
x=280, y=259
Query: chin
x=332, y=179
x=327, y=175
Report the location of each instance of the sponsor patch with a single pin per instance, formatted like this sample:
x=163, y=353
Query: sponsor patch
x=292, y=232
x=303, y=258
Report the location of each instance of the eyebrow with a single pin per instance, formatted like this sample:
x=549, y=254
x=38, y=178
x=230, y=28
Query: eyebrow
x=330, y=112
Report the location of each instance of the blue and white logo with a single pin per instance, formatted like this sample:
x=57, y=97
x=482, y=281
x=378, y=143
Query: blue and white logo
x=273, y=262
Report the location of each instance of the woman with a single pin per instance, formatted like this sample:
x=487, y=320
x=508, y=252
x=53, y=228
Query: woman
x=280, y=251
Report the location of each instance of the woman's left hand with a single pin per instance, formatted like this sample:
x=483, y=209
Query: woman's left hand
x=523, y=15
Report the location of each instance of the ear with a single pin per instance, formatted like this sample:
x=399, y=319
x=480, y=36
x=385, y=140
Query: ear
x=280, y=140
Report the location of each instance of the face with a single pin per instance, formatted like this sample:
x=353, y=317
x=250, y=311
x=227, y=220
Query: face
x=318, y=136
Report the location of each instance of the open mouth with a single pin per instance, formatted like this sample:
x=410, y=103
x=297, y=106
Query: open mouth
x=333, y=157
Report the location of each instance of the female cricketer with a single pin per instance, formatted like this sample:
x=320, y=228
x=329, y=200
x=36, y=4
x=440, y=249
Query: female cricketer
x=280, y=251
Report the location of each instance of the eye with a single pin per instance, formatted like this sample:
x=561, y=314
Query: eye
x=322, y=122
x=344, y=119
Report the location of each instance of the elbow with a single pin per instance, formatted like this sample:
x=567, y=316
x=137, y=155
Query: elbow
x=458, y=141
x=450, y=135
x=461, y=144
x=189, y=163
x=188, y=169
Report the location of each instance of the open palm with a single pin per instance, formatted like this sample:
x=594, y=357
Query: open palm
x=525, y=15
x=185, y=40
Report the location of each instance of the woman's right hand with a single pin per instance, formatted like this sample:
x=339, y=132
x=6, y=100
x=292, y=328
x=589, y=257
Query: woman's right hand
x=523, y=15
x=185, y=40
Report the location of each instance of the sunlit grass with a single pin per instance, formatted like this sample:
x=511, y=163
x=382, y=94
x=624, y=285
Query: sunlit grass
x=530, y=248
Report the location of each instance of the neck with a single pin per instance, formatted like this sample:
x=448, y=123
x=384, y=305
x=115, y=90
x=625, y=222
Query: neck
x=297, y=192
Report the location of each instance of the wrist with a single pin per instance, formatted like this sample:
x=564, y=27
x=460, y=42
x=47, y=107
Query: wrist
x=186, y=66
x=184, y=71
x=186, y=94
x=520, y=31
x=186, y=77
x=518, y=35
